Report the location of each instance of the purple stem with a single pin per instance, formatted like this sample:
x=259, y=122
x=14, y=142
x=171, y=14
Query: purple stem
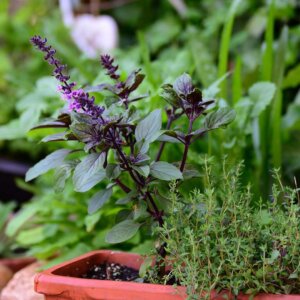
x=186, y=147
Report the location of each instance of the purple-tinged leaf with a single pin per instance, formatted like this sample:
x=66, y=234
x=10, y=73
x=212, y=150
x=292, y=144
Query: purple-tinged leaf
x=195, y=96
x=134, y=80
x=183, y=85
x=169, y=95
x=51, y=124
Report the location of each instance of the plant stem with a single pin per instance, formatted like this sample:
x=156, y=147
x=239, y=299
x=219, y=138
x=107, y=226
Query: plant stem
x=124, y=187
x=158, y=214
x=162, y=145
x=186, y=146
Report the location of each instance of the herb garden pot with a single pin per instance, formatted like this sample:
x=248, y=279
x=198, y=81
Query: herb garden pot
x=16, y=264
x=62, y=282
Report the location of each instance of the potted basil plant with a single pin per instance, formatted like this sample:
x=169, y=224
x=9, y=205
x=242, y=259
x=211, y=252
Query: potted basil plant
x=113, y=148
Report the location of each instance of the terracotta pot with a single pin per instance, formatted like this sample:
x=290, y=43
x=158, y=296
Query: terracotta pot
x=60, y=282
x=16, y=264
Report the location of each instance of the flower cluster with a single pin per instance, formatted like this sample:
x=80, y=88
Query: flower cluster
x=107, y=63
x=78, y=99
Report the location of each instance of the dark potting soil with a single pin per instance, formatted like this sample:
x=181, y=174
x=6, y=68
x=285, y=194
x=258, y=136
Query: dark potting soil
x=111, y=271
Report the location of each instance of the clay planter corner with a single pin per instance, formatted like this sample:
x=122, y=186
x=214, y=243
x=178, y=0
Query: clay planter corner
x=62, y=283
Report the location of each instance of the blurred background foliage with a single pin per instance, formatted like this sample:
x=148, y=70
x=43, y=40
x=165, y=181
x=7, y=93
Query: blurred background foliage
x=245, y=54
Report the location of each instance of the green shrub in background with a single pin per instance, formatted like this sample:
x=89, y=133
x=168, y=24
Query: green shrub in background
x=5, y=242
x=56, y=226
x=19, y=69
x=222, y=238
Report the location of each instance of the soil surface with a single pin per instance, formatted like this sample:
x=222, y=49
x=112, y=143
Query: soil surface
x=111, y=271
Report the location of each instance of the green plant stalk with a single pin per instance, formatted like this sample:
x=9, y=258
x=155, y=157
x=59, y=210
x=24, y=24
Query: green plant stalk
x=276, y=118
x=145, y=56
x=237, y=87
x=266, y=75
x=224, y=47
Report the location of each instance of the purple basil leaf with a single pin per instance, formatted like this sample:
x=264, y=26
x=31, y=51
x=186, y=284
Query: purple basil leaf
x=195, y=96
x=52, y=124
x=134, y=80
x=183, y=85
x=169, y=95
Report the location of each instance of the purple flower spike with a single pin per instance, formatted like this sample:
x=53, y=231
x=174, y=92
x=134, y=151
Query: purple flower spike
x=107, y=63
x=79, y=100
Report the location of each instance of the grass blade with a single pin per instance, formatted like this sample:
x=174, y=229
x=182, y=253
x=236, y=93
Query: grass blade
x=237, y=87
x=276, y=117
x=225, y=42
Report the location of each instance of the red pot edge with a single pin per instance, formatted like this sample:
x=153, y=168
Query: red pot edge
x=47, y=277
x=17, y=263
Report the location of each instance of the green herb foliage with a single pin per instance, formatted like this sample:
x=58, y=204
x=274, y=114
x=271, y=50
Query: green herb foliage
x=220, y=238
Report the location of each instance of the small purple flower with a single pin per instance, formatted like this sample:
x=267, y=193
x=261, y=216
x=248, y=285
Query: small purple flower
x=78, y=99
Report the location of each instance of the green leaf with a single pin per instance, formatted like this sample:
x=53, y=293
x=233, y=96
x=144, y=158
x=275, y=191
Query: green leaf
x=149, y=128
x=168, y=139
x=127, y=198
x=79, y=249
x=122, y=232
x=82, y=131
x=165, y=171
x=12, y=130
x=261, y=95
x=140, y=211
x=143, y=170
x=62, y=136
x=91, y=220
x=6, y=209
x=98, y=200
x=294, y=276
x=147, y=263
x=214, y=88
x=263, y=217
x=51, y=161
x=169, y=94
x=183, y=85
x=36, y=235
x=219, y=118
x=113, y=171
x=89, y=172
x=141, y=159
x=292, y=78
x=21, y=218
x=62, y=173
x=188, y=174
